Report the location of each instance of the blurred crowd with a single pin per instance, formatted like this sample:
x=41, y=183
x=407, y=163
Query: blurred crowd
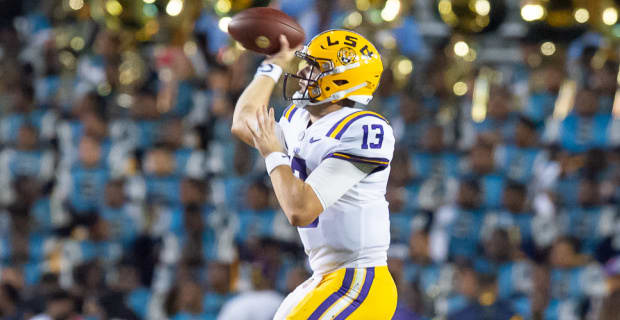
x=135, y=202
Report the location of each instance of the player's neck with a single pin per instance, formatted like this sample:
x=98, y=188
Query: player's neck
x=317, y=112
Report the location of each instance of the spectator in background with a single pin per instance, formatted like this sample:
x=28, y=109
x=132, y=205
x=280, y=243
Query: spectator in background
x=218, y=291
x=101, y=66
x=572, y=282
x=400, y=218
x=137, y=296
x=88, y=279
x=199, y=238
x=499, y=124
x=434, y=164
x=401, y=182
x=498, y=251
x=411, y=122
x=434, y=159
x=481, y=165
x=483, y=302
x=59, y=305
x=517, y=218
x=604, y=82
x=501, y=119
x=589, y=221
x=22, y=249
x=145, y=127
x=610, y=307
x=9, y=303
x=566, y=182
x=408, y=298
x=296, y=276
x=402, y=173
x=25, y=111
x=186, y=213
x=82, y=185
x=543, y=85
x=90, y=120
x=425, y=277
x=124, y=219
x=26, y=159
x=457, y=227
x=256, y=220
x=260, y=303
x=610, y=184
x=523, y=158
x=185, y=302
x=222, y=111
x=161, y=178
x=513, y=275
x=34, y=301
x=239, y=174
x=583, y=129
x=189, y=161
x=110, y=305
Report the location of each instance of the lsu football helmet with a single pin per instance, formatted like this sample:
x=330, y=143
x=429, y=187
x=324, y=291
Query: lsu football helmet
x=344, y=65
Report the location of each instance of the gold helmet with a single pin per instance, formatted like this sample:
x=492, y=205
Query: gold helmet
x=348, y=65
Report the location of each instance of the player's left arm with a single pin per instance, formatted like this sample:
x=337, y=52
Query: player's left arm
x=297, y=199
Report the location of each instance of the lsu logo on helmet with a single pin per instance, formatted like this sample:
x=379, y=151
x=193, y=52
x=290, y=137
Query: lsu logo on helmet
x=346, y=55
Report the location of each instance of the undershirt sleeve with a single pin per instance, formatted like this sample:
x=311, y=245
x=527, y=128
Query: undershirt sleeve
x=334, y=177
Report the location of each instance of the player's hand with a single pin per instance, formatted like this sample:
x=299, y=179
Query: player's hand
x=264, y=135
x=285, y=55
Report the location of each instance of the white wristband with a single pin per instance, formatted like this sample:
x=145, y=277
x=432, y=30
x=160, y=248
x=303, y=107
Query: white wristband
x=271, y=70
x=276, y=159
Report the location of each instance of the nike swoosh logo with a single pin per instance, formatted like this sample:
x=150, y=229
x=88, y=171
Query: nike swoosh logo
x=313, y=141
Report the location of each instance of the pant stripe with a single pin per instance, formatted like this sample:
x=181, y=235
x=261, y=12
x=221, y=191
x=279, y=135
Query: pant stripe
x=356, y=288
x=346, y=285
x=370, y=276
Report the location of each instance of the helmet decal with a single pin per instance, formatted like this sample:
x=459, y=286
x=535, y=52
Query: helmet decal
x=346, y=55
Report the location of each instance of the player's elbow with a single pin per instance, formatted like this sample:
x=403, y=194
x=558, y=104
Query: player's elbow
x=302, y=215
x=298, y=220
x=237, y=129
x=295, y=220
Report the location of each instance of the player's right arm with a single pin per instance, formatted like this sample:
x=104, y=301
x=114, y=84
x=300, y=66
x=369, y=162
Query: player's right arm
x=257, y=93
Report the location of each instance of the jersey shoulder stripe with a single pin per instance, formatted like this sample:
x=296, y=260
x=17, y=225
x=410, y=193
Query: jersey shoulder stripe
x=289, y=112
x=343, y=124
x=382, y=162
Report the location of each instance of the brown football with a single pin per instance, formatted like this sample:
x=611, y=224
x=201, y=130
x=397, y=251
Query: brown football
x=258, y=29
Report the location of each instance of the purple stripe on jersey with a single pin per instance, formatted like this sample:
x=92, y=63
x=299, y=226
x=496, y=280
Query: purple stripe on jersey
x=346, y=284
x=329, y=133
x=354, y=158
x=360, y=115
x=370, y=276
x=290, y=116
x=346, y=126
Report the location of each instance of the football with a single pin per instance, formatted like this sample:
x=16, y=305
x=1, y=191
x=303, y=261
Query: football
x=258, y=29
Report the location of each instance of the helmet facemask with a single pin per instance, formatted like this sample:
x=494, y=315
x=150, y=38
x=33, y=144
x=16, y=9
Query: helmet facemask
x=308, y=93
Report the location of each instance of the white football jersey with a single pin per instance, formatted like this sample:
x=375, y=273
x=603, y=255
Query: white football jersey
x=354, y=232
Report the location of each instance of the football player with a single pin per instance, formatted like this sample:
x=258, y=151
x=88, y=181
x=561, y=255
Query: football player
x=329, y=165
